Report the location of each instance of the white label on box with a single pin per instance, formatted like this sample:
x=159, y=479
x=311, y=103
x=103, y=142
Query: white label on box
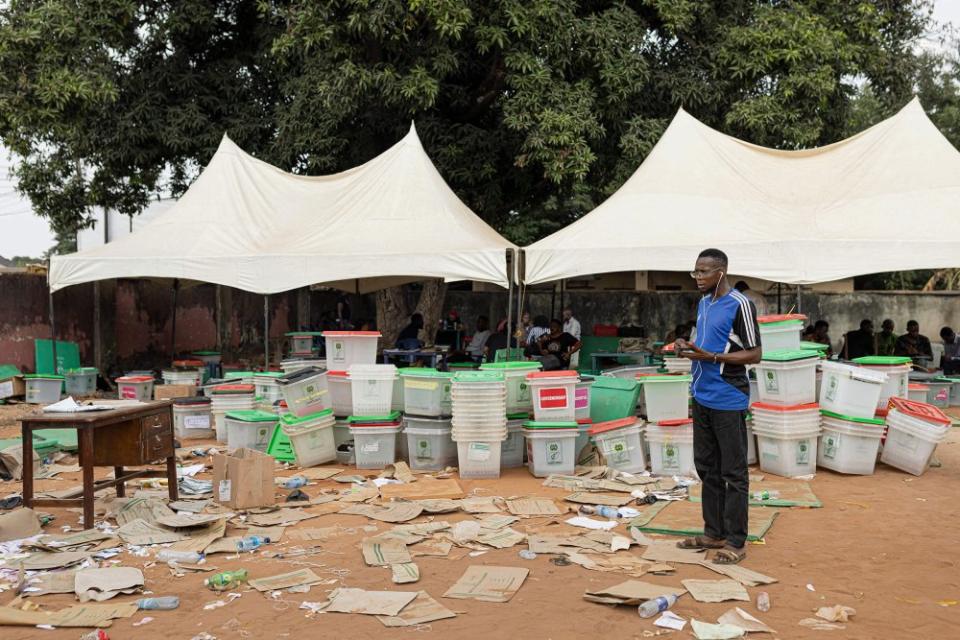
x=803, y=451
x=6, y=389
x=670, y=456
x=371, y=447
x=616, y=450
x=831, y=443
x=554, y=452
x=197, y=422
x=771, y=382
x=224, y=491
x=478, y=451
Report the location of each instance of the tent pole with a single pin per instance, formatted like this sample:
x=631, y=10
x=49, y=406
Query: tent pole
x=563, y=289
x=799, y=301
x=511, y=264
x=266, y=332
x=53, y=335
x=779, y=299
x=173, y=332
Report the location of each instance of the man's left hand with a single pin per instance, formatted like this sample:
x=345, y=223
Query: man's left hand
x=693, y=352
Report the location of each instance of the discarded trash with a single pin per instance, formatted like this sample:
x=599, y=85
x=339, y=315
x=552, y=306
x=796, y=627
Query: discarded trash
x=294, y=482
x=836, y=613
x=98, y=634
x=203, y=635
x=251, y=543
x=763, y=601
x=296, y=495
x=654, y=606
x=810, y=587
x=600, y=510
x=165, y=603
x=189, y=557
x=526, y=554
x=707, y=631
x=560, y=561
x=670, y=620
x=144, y=621
x=226, y=580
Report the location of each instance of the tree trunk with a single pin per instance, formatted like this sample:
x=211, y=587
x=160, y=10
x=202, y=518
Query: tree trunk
x=393, y=313
x=430, y=306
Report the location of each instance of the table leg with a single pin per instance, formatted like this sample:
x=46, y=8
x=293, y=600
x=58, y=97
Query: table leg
x=27, y=466
x=86, y=459
x=172, y=486
x=121, y=486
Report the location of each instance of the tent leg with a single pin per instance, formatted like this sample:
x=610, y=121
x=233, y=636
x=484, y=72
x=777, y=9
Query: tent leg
x=266, y=332
x=510, y=266
x=799, y=301
x=53, y=336
x=173, y=332
x=779, y=299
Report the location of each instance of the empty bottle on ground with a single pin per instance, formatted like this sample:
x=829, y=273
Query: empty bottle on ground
x=251, y=543
x=654, y=606
x=164, y=603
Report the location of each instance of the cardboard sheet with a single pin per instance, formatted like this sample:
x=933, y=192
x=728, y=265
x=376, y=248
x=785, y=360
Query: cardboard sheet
x=716, y=590
x=103, y=584
x=126, y=510
x=18, y=524
x=487, y=583
x=319, y=473
x=379, y=553
x=376, y=603
x=285, y=580
x=533, y=507
x=280, y=517
x=405, y=573
x=87, y=615
x=423, y=489
x=483, y=504
x=667, y=551
x=608, y=499
x=632, y=592
x=740, y=618
x=422, y=610
x=52, y=582
x=746, y=577
x=141, y=532
x=45, y=561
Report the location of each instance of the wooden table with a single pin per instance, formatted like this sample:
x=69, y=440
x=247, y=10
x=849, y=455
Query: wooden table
x=130, y=435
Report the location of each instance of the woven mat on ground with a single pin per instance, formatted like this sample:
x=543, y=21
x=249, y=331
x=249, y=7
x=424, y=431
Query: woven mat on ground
x=793, y=493
x=684, y=518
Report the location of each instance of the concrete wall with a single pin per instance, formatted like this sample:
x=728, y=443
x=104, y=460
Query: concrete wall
x=136, y=322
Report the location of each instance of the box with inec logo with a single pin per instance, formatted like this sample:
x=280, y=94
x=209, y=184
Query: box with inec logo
x=551, y=447
x=671, y=448
x=788, y=377
x=554, y=395
x=619, y=442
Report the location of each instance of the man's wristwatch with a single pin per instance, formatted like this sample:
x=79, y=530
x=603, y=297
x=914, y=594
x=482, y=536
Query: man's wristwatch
x=715, y=358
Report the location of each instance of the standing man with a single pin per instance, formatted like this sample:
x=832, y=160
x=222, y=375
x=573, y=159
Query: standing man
x=572, y=326
x=728, y=339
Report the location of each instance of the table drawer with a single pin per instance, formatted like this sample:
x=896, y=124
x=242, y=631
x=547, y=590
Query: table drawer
x=156, y=437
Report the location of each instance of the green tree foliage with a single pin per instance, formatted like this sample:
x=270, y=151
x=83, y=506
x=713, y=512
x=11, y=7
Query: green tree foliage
x=533, y=110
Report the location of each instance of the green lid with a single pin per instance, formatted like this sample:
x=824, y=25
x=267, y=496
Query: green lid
x=305, y=333
x=840, y=416
x=508, y=366
x=478, y=376
x=269, y=374
x=41, y=376
x=83, y=370
x=462, y=365
x=789, y=355
x=390, y=417
x=813, y=346
x=659, y=378
x=291, y=420
x=253, y=416
x=533, y=424
x=523, y=415
x=8, y=371
x=943, y=380
x=206, y=353
x=230, y=375
x=886, y=361
x=424, y=372
x=611, y=382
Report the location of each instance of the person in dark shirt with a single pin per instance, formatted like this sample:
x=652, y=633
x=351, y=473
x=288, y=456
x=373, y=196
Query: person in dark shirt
x=821, y=335
x=859, y=343
x=558, y=345
x=409, y=337
x=499, y=341
x=913, y=344
x=951, y=352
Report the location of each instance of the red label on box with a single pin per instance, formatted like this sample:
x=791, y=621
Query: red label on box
x=128, y=393
x=554, y=398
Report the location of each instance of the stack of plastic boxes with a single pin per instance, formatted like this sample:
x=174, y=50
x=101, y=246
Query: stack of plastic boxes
x=427, y=407
x=225, y=398
x=786, y=421
x=479, y=421
x=897, y=369
x=552, y=436
x=267, y=390
x=519, y=406
x=781, y=332
x=914, y=430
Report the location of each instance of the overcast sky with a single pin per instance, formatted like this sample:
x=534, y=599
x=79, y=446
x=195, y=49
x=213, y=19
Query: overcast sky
x=24, y=234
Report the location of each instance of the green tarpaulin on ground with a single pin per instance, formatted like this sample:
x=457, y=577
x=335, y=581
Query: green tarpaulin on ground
x=683, y=518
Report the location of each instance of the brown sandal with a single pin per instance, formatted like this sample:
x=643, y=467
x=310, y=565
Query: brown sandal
x=699, y=543
x=729, y=555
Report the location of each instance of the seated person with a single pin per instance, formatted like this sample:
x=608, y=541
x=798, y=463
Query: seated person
x=821, y=335
x=859, y=343
x=409, y=337
x=913, y=344
x=498, y=341
x=556, y=347
x=951, y=352
x=479, y=340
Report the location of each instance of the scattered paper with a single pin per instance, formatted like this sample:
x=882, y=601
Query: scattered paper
x=836, y=613
x=496, y=521
x=422, y=610
x=405, y=573
x=740, y=618
x=376, y=603
x=632, y=592
x=69, y=405
x=86, y=615
x=716, y=590
x=670, y=620
x=146, y=509
x=53, y=582
x=670, y=552
x=533, y=507
x=485, y=504
x=590, y=523
x=607, y=499
x=746, y=577
x=141, y=532
x=399, y=471
x=18, y=524
x=442, y=505
x=103, y=584
x=501, y=538
x=310, y=535
x=821, y=625
x=423, y=489
x=285, y=580
x=707, y=631
x=187, y=520
x=319, y=473
x=440, y=548
x=378, y=553
x=280, y=517
x=397, y=512
x=489, y=584
x=44, y=561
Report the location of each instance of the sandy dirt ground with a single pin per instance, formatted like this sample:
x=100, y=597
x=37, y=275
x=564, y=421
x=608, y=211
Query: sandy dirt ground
x=884, y=544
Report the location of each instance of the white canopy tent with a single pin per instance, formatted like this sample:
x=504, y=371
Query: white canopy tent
x=246, y=224
x=886, y=199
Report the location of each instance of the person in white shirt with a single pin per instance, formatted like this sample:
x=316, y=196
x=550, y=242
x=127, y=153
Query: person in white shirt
x=756, y=298
x=479, y=339
x=570, y=324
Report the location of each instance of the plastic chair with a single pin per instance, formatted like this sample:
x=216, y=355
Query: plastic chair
x=503, y=355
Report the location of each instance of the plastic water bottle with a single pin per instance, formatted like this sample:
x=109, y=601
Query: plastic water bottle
x=97, y=634
x=169, y=555
x=226, y=580
x=295, y=482
x=251, y=543
x=600, y=510
x=763, y=601
x=654, y=606
x=765, y=495
x=165, y=603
